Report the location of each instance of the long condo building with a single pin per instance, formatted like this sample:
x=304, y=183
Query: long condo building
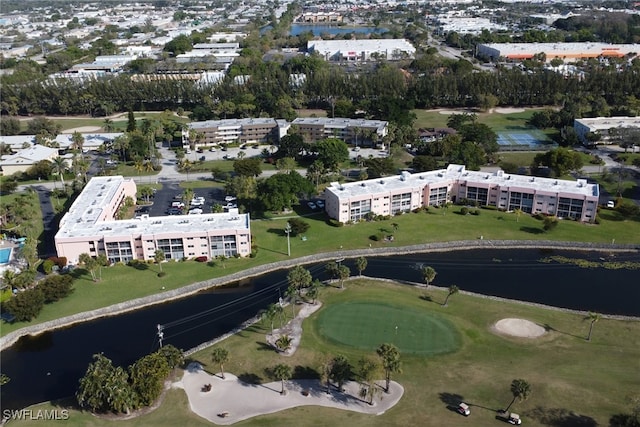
x=392, y=195
x=352, y=131
x=90, y=227
x=231, y=130
x=606, y=127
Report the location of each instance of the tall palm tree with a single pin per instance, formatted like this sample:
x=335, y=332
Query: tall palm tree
x=107, y=125
x=343, y=274
x=158, y=256
x=361, y=264
x=453, y=289
x=282, y=372
x=59, y=167
x=593, y=318
x=520, y=390
x=390, y=356
x=220, y=356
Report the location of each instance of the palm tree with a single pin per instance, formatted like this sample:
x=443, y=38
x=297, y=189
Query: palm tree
x=107, y=125
x=138, y=165
x=220, y=356
x=367, y=370
x=518, y=212
x=343, y=274
x=284, y=343
x=593, y=318
x=340, y=370
x=453, y=289
x=59, y=167
x=361, y=264
x=241, y=155
x=428, y=274
x=520, y=390
x=314, y=290
x=292, y=293
x=390, y=356
x=282, y=372
x=158, y=256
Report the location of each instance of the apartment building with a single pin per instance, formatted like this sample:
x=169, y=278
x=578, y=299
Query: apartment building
x=362, y=50
x=90, y=227
x=609, y=128
x=358, y=132
x=231, y=130
x=405, y=192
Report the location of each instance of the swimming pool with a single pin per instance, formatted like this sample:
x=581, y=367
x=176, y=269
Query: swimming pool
x=5, y=255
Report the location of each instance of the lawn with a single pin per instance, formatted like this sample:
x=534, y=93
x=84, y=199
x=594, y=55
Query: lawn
x=437, y=225
x=512, y=122
x=569, y=383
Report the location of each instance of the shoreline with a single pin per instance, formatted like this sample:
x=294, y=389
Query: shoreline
x=136, y=304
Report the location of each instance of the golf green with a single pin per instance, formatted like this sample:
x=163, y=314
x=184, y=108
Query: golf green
x=366, y=325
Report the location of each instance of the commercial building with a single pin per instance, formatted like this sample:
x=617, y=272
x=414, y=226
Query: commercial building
x=316, y=17
x=607, y=127
x=362, y=50
x=351, y=131
x=569, y=52
x=90, y=227
x=231, y=130
x=25, y=158
x=391, y=195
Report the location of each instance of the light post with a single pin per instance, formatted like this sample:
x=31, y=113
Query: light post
x=287, y=230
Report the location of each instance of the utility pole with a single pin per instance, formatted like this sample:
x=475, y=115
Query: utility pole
x=287, y=230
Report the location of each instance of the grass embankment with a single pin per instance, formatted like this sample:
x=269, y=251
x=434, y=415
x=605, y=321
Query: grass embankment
x=573, y=382
x=437, y=225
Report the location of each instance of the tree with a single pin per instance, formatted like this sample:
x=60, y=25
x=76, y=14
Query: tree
x=361, y=264
x=56, y=287
x=518, y=212
x=332, y=152
x=453, y=289
x=284, y=343
x=147, y=377
x=340, y=371
x=424, y=163
x=220, y=356
x=286, y=164
x=520, y=390
x=592, y=318
x=390, y=356
x=158, y=257
x=428, y=274
x=26, y=305
x=343, y=274
x=559, y=160
x=299, y=277
x=281, y=191
x=282, y=372
x=298, y=226
x=314, y=290
x=550, y=222
x=367, y=369
x=105, y=388
x=59, y=167
x=247, y=167
x=172, y=355
x=131, y=121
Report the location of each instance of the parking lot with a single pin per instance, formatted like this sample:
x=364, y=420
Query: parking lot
x=171, y=189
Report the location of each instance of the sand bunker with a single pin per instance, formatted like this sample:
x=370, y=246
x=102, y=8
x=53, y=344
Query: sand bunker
x=519, y=328
x=83, y=129
x=508, y=110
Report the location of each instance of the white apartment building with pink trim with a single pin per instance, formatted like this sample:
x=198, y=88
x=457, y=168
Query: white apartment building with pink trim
x=405, y=192
x=90, y=227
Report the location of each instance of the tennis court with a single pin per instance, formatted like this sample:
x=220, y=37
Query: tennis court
x=530, y=140
x=365, y=326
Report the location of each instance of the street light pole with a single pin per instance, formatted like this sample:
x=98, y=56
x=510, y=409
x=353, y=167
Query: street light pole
x=287, y=230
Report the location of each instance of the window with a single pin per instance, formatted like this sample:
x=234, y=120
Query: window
x=119, y=251
x=478, y=194
x=360, y=209
x=223, y=245
x=570, y=208
x=522, y=201
x=438, y=196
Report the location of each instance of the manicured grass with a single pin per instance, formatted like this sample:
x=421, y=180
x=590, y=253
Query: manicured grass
x=513, y=122
x=437, y=225
x=412, y=331
x=201, y=184
x=613, y=184
x=569, y=376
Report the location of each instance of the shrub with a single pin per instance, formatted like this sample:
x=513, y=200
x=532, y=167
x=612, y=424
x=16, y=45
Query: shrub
x=476, y=212
x=490, y=208
x=253, y=254
x=47, y=266
x=26, y=305
x=201, y=259
x=298, y=226
x=464, y=210
x=162, y=274
x=334, y=222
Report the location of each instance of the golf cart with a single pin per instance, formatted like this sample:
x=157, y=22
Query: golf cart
x=463, y=409
x=510, y=417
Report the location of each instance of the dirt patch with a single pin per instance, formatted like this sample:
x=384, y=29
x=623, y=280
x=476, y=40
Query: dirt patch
x=83, y=129
x=519, y=328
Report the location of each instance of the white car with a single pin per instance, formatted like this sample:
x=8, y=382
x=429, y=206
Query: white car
x=195, y=211
x=177, y=205
x=229, y=198
x=311, y=205
x=463, y=409
x=320, y=204
x=611, y=204
x=212, y=149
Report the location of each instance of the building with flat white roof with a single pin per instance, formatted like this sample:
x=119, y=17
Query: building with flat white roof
x=231, y=130
x=569, y=52
x=606, y=127
x=90, y=227
x=351, y=131
x=362, y=50
x=392, y=195
x=25, y=158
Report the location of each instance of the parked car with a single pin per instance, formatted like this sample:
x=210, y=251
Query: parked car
x=199, y=150
x=196, y=211
x=463, y=408
x=212, y=149
x=320, y=204
x=174, y=211
x=229, y=198
x=177, y=205
x=611, y=204
x=311, y=205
